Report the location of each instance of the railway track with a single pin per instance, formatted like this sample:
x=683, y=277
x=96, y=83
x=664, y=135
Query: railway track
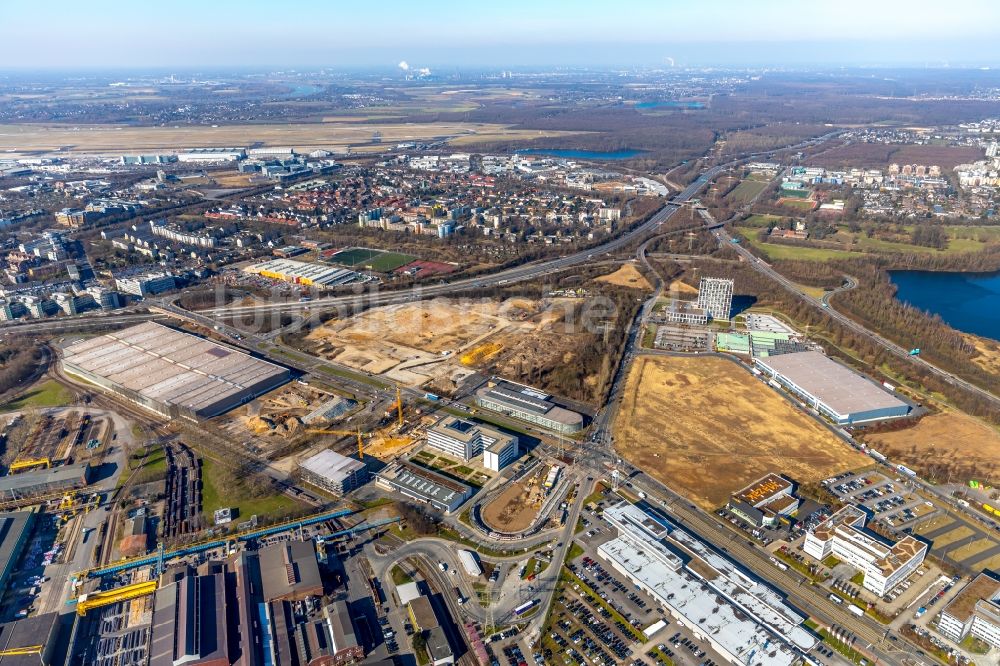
x=182, y=514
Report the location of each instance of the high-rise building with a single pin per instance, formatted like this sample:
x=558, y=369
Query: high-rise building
x=715, y=296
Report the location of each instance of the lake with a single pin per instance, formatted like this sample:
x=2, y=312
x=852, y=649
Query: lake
x=969, y=302
x=670, y=105
x=582, y=154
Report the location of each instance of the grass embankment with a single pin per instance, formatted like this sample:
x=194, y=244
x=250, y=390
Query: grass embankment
x=216, y=494
x=47, y=394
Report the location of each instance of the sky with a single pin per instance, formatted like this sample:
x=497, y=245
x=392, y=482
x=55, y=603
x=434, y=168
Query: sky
x=69, y=34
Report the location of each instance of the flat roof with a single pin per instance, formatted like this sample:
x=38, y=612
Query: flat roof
x=332, y=466
x=983, y=586
x=425, y=483
x=838, y=387
x=59, y=475
x=172, y=367
x=423, y=613
x=693, y=599
x=763, y=489
x=528, y=399
x=322, y=274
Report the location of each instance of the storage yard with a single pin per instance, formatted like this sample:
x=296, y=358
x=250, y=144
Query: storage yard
x=684, y=421
x=170, y=372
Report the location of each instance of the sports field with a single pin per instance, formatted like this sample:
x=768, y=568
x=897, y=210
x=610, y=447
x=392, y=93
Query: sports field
x=706, y=427
x=376, y=260
x=746, y=191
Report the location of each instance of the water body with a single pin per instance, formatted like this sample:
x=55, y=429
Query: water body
x=583, y=154
x=969, y=302
x=301, y=91
x=672, y=104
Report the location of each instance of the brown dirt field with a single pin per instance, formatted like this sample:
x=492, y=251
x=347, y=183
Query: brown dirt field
x=510, y=511
x=626, y=276
x=686, y=421
x=682, y=288
x=949, y=443
x=989, y=353
x=117, y=139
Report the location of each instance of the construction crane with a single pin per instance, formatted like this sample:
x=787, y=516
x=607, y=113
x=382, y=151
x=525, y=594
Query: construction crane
x=399, y=406
x=29, y=463
x=93, y=600
x=325, y=431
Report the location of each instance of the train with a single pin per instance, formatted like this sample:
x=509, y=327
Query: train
x=525, y=607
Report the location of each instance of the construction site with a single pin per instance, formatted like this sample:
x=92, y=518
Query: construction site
x=437, y=344
x=517, y=506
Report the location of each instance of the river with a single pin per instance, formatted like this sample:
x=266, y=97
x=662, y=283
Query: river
x=969, y=302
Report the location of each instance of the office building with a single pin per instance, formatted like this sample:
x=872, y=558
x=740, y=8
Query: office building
x=884, y=564
x=975, y=611
x=466, y=440
x=333, y=472
x=528, y=404
x=143, y=285
x=715, y=297
x=834, y=390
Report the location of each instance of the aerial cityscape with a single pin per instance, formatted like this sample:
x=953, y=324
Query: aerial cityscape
x=569, y=334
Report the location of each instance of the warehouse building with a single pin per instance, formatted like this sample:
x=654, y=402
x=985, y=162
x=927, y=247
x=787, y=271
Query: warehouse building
x=424, y=486
x=466, y=440
x=172, y=373
x=190, y=620
x=212, y=155
x=345, y=648
x=44, y=481
x=528, y=404
x=834, y=390
x=305, y=273
x=884, y=564
x=744, y=621
x=974, y=611
x=14, y=531
x=289, y=571
x=333, y=472
x=765, y=500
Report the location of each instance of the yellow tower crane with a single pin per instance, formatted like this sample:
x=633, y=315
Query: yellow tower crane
x=399, y=406
x=326, y=431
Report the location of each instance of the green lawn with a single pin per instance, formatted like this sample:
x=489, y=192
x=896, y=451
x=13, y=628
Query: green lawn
x=777, y=252
x=575, y=551
x=388, y=261
x=761, y=221
x=47, y=394
x=154, y=469
x=746, y=191
x=400, y=577
x=214, y=497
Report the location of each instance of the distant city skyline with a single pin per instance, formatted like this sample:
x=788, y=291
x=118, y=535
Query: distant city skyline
x=517, y=33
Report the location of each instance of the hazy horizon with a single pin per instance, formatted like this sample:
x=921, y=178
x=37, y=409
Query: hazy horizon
x=108, y=35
